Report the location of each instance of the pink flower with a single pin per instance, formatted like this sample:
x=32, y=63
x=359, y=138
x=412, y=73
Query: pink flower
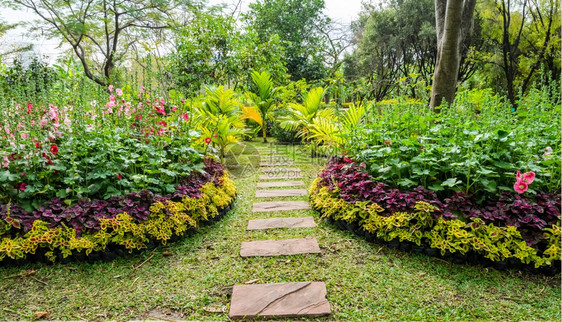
x=142, y=89
x=520, y=187
x=174, y=108
x=112, y=98
x=110, y=88
x=23, y=186
x=119, y=92
x=527, y=177
x=183, y=100
x=185, y=116
x=119, y=176
x=24, y=135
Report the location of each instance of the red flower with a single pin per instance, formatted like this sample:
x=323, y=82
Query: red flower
x=29, y=108
x=23, y=186
x=38, y=145
x=54, y=149
x=216, y=135
x=207, y=140
x=162, y=123
x=387, y=142
x=139, y=117
x=119, y=176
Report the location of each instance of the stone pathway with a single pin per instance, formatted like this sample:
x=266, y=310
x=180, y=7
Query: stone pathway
x=280, y=184
x=280, y=193
x=279, y=300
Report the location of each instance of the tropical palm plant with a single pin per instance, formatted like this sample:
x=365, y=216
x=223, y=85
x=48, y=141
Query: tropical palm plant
x=263, y=99
x=219, y=119
x=334, y=132
x=301, y=116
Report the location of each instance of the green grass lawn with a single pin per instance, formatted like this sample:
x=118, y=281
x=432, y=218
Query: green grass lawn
x=364, y=281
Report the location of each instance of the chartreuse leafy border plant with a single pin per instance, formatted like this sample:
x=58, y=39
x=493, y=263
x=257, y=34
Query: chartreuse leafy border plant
x=420, y=226
x=166, y=219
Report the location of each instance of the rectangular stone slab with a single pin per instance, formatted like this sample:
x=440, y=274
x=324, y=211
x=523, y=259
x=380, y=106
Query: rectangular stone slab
x=281, y=300
x=280, y=206
x=280, y=184
x=287, y=175
x=276, y=164
x=280, y=193
x=280, y=247
x=291, y=222
x=279, y=170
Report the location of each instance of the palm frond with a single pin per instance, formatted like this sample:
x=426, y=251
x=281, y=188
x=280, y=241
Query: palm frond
x=252, y=113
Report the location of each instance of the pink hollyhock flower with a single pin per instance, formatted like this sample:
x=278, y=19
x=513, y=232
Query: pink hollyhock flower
x=23, y=186
x=185, y=116
x=110, y=88
x=112, y=98
x=527, y=177
x=119, y=92
x=24, y=135
x=6, y=162
x=142, y=89
x=520, y=187
x=174, y=108
x=183, y=100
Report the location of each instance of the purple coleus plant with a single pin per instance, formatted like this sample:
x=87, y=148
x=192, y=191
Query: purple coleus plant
x=85, y=214
x=530, y=214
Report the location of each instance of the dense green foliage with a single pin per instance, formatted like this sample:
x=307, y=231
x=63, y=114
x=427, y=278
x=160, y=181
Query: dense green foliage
x=298, y=24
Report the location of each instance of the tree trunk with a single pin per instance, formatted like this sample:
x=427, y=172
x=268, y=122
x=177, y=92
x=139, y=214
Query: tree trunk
x=453, y=22
x=264, y=132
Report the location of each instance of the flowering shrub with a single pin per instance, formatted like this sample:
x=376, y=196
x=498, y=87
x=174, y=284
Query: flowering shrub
x=510, y=227
x=133, y=142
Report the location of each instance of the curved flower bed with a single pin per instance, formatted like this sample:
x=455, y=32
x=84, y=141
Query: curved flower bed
x=122, y=223
x=528, y=236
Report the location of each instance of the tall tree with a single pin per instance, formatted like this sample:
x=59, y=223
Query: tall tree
x=522, y=36
x=454, y=22
x=391, y=42
x=298, y=24
x=100, y=32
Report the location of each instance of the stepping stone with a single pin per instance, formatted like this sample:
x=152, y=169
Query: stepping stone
x=279, y=300
x=280, y=247
x=280, y=206
x=291, y=222
x=281, y=193
x=288, y=175
x=280, y=170
x=276, y=164
x=276, y=184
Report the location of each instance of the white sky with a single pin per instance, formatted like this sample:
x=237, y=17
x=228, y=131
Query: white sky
x=344, y=11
